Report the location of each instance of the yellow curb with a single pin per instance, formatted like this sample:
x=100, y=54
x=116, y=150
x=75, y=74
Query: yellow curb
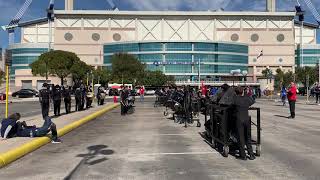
x=14, y=154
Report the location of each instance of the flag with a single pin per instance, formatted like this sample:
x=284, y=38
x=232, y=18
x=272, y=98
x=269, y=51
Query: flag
x=261, y=54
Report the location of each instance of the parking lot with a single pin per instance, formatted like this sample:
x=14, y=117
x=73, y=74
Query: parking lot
x=146, y=145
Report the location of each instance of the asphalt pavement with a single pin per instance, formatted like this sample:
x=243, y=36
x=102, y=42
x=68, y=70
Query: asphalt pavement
x=146, y=145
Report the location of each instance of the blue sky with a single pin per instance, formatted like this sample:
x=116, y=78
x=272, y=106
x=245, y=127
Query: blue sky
x=8, y=8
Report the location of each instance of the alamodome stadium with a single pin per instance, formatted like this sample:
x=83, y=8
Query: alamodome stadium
x=182, y=44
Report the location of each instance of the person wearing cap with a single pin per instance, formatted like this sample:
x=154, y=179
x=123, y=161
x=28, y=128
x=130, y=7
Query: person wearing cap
x=57, y=95
x=44, y=98
x=67, y=99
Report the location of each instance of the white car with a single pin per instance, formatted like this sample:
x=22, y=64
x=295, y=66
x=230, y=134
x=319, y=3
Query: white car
x=150, y=92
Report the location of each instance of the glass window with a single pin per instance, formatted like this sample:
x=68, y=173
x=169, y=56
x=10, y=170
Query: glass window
x=205, y=57
x=150, y=57
x=107, y=60
x=309, y=51
x=227, y=69
x=205, y=47
x=150, y=47
x=118, y=48
x=179, y=46
x=204, y=68
x=222, y=47
x=178, y=57
x=152, y=67
x=29, y=50
x=24, y=59
x=311, y=60
x=178, y=68
x=232, y=59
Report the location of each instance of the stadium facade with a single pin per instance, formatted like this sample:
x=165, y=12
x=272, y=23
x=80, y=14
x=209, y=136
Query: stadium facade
x=175, y=42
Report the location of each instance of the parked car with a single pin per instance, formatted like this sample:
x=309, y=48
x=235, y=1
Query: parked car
x=26, y=93
x=150, y=92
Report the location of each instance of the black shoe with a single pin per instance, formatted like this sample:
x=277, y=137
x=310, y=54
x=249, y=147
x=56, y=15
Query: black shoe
x=252, y=157
x=242, y=158
x=290, y=117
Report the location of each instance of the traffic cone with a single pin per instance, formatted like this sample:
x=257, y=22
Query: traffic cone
x=115, y=100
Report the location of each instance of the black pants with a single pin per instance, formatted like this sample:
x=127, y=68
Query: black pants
x=292, y=105
x=244, y=133
x=123, y=109
x=317, y=98
x=89, y=103
x=67, y=105
x=56, y=106
x=45, y=109
x=77, y=104
x=47, y=126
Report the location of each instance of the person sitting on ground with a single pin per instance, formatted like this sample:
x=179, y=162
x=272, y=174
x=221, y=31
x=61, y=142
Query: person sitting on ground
x=9, y=126
x=23, y=130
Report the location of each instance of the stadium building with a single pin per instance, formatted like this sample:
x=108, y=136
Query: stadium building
x=175, y=42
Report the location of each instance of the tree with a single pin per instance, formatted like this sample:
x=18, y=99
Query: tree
x=303, y=72
x=267, y=73
x=283, y=78
x=79, y=71
x=55, y=63
x=126, y=68
x=102, y=76
x=2, y=76
x=279, y=79
x=155, y=78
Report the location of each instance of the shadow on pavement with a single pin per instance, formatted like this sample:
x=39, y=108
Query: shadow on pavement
x=91, y=158
x=281, y=116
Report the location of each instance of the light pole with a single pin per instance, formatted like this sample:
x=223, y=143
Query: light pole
x=244, y=74
x=319, y=70
x=233, y=73
x=199, y=76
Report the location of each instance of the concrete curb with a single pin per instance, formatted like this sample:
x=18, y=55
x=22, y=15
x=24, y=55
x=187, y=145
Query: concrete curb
x=14, y=154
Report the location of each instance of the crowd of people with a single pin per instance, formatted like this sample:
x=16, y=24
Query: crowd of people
x=83, y=98
x=12, y=127
x=254, y=92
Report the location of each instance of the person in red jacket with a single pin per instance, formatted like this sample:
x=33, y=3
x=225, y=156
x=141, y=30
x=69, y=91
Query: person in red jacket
x=292, y=97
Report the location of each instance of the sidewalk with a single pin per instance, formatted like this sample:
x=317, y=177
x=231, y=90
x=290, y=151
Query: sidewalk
x=62, y=121
x=20, y=100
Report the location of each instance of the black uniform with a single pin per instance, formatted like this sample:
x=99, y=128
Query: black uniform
x=83, y=97
x=67, y=99
x=124, y=94
x=78, y=99
x=57, y=100
x=44, y=98
x=99, y=96
x=88, y=99
x=242, y=104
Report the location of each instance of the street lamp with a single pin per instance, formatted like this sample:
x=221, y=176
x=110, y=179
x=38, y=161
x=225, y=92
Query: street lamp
x=319, y=70
x=233, y=73
x=244, y=74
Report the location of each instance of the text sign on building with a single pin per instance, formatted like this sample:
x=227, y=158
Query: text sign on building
x=157, y=63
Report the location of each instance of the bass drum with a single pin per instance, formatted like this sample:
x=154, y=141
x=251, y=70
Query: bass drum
x=102, y=95
x=90, y=95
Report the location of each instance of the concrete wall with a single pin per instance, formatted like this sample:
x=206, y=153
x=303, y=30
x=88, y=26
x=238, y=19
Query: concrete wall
x=25, y=75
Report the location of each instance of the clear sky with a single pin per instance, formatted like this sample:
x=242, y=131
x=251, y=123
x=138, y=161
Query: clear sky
x=8, y=8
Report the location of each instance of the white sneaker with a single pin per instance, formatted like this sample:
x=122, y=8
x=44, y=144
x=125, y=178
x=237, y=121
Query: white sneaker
x=57, y=141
